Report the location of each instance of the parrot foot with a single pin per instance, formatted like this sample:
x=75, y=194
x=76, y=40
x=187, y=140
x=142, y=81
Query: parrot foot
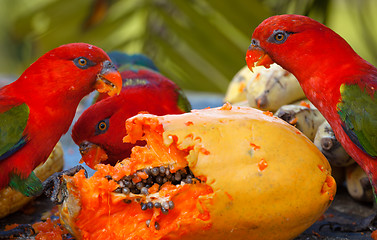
x=22, y=231
x=365, y=224
x=54, y=187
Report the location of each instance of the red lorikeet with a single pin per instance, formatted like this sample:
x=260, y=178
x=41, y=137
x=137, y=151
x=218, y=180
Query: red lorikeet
x=340, y=83
x=38, y=108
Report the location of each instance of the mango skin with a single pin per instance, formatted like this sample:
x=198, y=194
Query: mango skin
x=269, y=180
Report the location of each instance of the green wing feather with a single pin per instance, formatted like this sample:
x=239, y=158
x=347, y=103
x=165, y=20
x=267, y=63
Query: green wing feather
x=358, y=111
x=12, y=125
x=12, y=138
x=31, y=186
x=182, y=101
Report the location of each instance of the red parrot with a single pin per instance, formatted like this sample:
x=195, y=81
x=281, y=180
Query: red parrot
x=100, y=129
x=38, y=108
x=335, y=79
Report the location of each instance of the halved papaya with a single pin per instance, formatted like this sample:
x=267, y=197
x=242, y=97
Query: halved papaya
x=223, y=173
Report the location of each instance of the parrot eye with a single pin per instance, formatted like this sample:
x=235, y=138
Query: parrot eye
x=278, y=37
x=102, y=126
x=83, y=63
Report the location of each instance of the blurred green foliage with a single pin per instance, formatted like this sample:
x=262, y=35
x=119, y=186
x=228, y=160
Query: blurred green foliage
x=200, y=44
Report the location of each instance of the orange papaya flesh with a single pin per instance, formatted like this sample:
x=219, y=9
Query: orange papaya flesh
x=49, y=230
x=103, y=203
x=253, y=186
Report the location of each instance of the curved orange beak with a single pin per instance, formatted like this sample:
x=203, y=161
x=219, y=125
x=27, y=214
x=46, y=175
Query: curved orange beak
x=256, y=56
x=109, y=79
x=92, y=154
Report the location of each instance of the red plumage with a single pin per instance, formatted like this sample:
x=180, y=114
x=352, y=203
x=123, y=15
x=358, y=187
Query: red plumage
x=52, y=88
x=143, y=90
x=328, y=69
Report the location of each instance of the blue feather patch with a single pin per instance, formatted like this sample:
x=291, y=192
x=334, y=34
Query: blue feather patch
x=14, y=149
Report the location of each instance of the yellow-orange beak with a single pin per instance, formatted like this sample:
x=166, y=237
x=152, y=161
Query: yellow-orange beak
x=256, y=56
x=109, y=79
x=92, y=154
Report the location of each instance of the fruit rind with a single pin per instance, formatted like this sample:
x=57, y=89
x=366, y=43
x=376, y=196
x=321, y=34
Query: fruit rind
x=264, y=179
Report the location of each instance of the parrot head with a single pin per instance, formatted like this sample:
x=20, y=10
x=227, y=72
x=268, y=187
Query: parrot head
x=299, y=44
x=99, y=132
x=73, y=71
x=94, y=61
